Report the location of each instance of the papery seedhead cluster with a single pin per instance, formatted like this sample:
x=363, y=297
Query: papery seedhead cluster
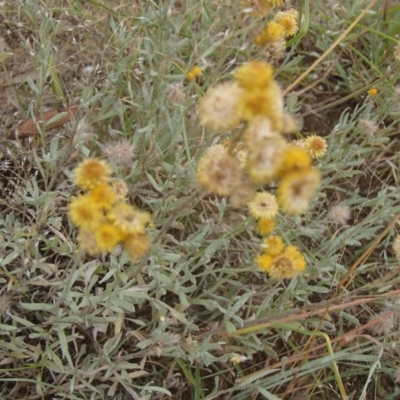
x=103, y=217
x=260, y=153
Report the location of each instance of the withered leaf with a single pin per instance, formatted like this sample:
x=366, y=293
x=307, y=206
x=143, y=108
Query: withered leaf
x=29, y=127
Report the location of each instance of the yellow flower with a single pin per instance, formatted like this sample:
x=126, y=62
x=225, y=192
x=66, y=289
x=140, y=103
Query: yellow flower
x=263, y=161
x=264, y=262
x=265, y=225
x=137, y=246
x=288, y=21
x=120, y=188
x=264, y=102
x=296, y=190
x=254, y=75
x=293, y=159
x=91, y=173
x=273, y=32
x=286, y=265
x=273, y=245
x=87, y=241
x=104, y=196
x=107, y=236
x=194, y=73
x=372, y=92
x=263, y=206
x=218, y=109
x=219, y=174
x=316, y=146
x=85, y=212
x=128, y=219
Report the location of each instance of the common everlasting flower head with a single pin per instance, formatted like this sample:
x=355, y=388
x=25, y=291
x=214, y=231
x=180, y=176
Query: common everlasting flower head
x=219, y=173
x=272, y=32
x=273, y=245
x=218, y=109
x=263, y=206
x=316, y=146
x=288, y=20
x=91, y=173
x=293, y=159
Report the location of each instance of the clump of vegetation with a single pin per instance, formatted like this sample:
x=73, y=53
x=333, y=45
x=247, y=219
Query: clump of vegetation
x=199, y=200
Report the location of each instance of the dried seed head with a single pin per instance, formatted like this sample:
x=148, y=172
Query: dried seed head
x=120, y=152
x=218, y=109
x=369, y=127
x=87, y=242
x=121, y=189
x=263, y=161
x=276, y=50
x=219, y=174
x=340, y=214
x=297, y=189
x=384, y=322
x=257, y=130
x=175, y=93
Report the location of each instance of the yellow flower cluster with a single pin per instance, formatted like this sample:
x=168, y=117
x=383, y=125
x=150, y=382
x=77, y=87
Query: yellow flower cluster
x=283, y=25
x=261, y=154
x=194, y=73
x=280, y=261
x=103, y=217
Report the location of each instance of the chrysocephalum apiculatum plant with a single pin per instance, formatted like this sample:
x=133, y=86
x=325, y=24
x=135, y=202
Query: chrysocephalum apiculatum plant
x=257, y=155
